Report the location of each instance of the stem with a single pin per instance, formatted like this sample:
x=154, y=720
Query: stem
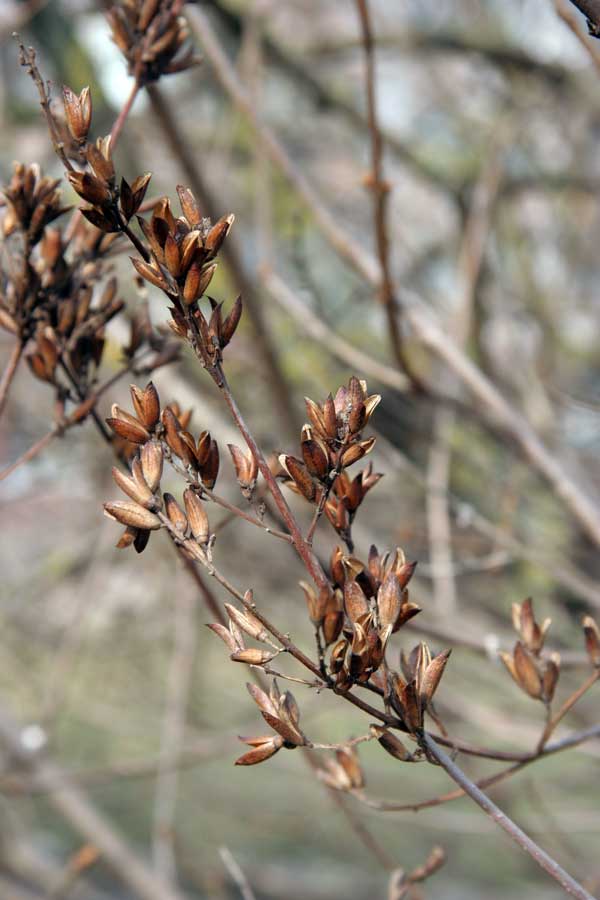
x=9, y=372
x=243, y=277
x=567, y=743
x=60, y=428
x=32, y=452
x=302, y=548
x=380, y=189
x=120, y=120
x=538, y=855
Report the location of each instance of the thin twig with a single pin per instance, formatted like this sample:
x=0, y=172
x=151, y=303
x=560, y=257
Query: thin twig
x=302, y=548
x=380, y=190
x=244, y=281
x=10, y=372
x=237, y=874
x=511, y=828
x=179, y=682
x=76, y=418
x=568, y=743
x=569, y=703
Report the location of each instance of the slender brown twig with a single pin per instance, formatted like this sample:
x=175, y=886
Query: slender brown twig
x=10, y=372
x=380, y=189
x=539, y=856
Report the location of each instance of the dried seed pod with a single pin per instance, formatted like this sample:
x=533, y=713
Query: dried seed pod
x=332, y=626
x=151, y=459
x=151, y=273
x=389, y=600
x=527, y=673
x=347, y=758
x=355, y=602
x=141, y=493
x=248, y=623
x=252, y=656
x=432, y=675
x=175, y=513
x=127, y=538
x=231, y=322
x=392, y=744
x=218, y=233
x=127, y=426
x=146, y=404
x=550, y=677
x=210, y=469
x=226, y=636
x=246, y=467
x=197, y=516
x=592, y=640
x=78, y=112
x=264, y=748
x=262, y=700
x=132, y=514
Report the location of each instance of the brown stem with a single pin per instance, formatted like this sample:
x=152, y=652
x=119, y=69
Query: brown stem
x=9, y=372
x=27, y=60
x=121, y=118
x=74, y=419
x=220, y=501
x=244, y=281
x=538, y=855
x=380, y=190
x=302, y=548
x=567, y=743
x=32, y=452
